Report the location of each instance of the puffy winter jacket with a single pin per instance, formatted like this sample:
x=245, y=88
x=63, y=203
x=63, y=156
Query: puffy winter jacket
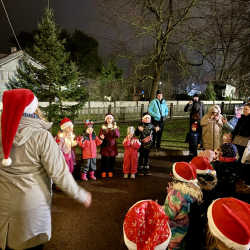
x=154, y=111
x=211, y=129
x=148, y=129
x=195, y=107
x=109, y=150
x=193, y=138
x=88, y=143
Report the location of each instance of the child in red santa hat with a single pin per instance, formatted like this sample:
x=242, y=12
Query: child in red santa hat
x=131, y=145
x=88, y=142
x=181, y=193
x=194, y=140
x=66, y=140
x=109, y=147
x=228, y=225
x=207, y=181
x=146, y=227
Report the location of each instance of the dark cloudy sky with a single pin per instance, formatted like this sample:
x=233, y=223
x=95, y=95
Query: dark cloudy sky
x=70, y=14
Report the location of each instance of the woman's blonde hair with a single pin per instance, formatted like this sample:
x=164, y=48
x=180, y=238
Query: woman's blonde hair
x=39, y=113
x=210, y=239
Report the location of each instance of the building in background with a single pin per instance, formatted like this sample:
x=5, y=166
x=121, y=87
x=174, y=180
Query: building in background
x=8, y=65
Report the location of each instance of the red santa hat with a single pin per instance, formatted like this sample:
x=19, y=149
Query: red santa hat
x=185, y=172
x=15, y=103
x=202, y=165
x=229, y=220
x=146, y=227
x=66, y=122
x=109, y=115
x=195, y=124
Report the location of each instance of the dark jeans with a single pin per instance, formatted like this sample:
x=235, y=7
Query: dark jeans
x=107, y=164
x=157, y=136
x=192, y=152
x=40, y=247
x=244, y=168
x=144, y=154
x=88, y=165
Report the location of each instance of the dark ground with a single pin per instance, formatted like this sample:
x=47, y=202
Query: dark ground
x=100, y=227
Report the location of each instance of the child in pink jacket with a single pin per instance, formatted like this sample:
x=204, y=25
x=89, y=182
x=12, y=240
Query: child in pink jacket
x=131, y=145
x=88, y=142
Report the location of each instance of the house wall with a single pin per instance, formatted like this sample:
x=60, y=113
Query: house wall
x=230, y=90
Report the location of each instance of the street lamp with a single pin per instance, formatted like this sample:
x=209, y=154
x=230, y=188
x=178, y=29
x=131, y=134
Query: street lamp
x=159, y=85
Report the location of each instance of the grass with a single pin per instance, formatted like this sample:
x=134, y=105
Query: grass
x=173, y=136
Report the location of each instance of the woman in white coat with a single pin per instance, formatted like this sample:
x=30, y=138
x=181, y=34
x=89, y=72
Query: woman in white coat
x=30, y=159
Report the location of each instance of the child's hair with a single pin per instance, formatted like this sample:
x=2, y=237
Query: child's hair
x=210, y=239
x=247, y=104
x=106, y=124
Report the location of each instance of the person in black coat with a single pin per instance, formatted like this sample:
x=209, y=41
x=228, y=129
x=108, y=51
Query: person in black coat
x=197, y=111
x=243, y=129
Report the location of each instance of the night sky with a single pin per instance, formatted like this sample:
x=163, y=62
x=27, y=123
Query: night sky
x=68, y=14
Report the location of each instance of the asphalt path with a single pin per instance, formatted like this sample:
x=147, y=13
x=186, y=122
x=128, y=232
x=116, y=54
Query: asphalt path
x=100, y=227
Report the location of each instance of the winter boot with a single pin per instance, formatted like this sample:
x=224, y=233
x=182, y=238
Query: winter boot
x=146, y=170
x=125, y=176
x=104, y=174
x=92, y=175
x=140, y=170
x=84, y=177
x=132, y=176
x=110, y=174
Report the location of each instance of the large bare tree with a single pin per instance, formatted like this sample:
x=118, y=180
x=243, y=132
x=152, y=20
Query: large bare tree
x=166, y=26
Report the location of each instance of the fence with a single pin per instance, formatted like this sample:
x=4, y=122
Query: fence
x=135, y=113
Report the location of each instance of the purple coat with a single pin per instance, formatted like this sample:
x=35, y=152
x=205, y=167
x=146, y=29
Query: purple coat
x=109, y=148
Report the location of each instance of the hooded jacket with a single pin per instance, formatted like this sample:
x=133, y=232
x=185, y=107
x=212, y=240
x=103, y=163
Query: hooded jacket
x=195, y=107
x=211, y=129
x=25, y=196
x=154, y=111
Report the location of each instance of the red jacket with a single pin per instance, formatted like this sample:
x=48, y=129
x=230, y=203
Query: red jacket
x=88, y=143
x=109, y=148
x=131, y=155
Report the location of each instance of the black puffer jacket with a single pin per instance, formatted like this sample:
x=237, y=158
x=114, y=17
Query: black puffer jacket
x=148, y=129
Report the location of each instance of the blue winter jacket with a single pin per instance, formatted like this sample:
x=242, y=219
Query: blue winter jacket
x=153, y=109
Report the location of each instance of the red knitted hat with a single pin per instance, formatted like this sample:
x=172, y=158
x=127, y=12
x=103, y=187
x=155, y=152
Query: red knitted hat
x=109, y=115
x=66, y=122
x=146, y=227
x=15, y=103
x=202, y=164
x=184, y=171
x=229, y=220
x=195, y=124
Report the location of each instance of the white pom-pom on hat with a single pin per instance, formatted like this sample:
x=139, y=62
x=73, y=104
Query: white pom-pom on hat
x=6, y=162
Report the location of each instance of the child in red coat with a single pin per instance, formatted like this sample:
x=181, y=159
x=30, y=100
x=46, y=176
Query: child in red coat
x=131, y=145
x=109, y=148
x=88, y=142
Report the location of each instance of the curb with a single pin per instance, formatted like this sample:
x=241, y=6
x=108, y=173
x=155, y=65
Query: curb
x=152, y=153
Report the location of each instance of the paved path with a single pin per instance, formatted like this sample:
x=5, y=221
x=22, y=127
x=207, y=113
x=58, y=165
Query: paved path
x=100, y=227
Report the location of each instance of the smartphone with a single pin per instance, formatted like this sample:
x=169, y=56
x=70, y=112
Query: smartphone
x=225, y=116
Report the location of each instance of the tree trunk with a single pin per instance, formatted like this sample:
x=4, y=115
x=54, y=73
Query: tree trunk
x=155, y=84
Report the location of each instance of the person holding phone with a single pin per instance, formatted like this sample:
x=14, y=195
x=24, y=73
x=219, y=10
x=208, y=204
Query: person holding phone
x=197, y=111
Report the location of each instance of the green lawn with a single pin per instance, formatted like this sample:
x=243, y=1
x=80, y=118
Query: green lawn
x=173, y=136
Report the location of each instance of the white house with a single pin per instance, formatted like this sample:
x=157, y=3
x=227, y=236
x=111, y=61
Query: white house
x=224, y=89
x=8, y=65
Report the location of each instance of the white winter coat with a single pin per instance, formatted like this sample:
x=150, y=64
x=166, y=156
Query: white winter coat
x=25, y=185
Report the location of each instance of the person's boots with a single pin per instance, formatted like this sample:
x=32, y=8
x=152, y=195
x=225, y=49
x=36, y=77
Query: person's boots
x=241, y=187
x=92, y=175
x=146, y=170
x=84, y=177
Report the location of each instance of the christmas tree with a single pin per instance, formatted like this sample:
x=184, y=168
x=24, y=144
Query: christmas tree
x=56, y=81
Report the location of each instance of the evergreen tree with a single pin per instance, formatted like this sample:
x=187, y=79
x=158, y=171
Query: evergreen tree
x=209, y=94
x=57, y=81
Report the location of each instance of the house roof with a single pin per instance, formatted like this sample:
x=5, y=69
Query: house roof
x=9, y=57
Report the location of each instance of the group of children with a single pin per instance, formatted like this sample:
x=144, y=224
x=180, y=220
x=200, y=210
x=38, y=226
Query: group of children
x=88, y=142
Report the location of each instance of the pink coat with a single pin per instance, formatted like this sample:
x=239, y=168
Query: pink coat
x=89, y=145
x=110, y=150
x=131, y=155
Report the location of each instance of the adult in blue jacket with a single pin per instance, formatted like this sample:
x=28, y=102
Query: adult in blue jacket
x=158, y=109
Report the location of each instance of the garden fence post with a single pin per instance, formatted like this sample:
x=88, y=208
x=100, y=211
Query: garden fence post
x=142, y=110
x=171, y=110
x=222, y=107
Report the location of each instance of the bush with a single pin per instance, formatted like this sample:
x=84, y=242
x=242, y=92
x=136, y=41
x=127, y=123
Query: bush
x=209, y=94
x=228, y=98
